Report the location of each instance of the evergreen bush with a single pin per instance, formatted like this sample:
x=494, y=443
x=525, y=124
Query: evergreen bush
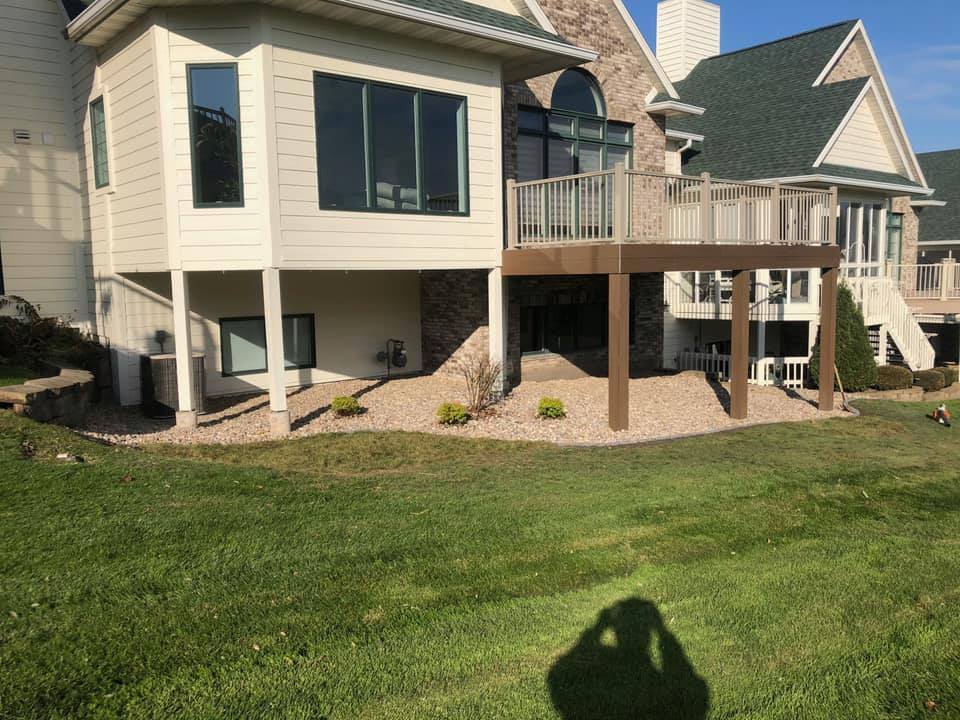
x=345, y=406
x=894, y=377
x=929, y=380
x=551, y=409
x=855, y=359
x=949, y=374
x=452, y=413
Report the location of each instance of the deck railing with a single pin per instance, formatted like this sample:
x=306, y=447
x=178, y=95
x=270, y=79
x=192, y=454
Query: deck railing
x=934, y=281
x=633, y=206
x=785, y=372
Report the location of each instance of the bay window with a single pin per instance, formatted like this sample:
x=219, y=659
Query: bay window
x=388, y=148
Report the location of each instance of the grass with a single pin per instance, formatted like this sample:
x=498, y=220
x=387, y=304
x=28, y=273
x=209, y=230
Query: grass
x=793, y=571
x=14, y=375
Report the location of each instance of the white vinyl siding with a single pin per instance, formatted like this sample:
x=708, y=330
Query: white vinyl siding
x=687, y=31
x=41, y=241
x=311, y=237
x=866, y=141
x=348, y=334
x=216, y=237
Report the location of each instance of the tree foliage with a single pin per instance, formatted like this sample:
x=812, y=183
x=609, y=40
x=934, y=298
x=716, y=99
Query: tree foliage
x=854, y=356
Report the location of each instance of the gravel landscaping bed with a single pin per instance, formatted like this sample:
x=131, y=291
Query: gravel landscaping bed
x=660, y=407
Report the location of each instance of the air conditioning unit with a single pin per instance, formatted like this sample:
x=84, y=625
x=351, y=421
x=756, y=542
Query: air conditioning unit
x=158, y=384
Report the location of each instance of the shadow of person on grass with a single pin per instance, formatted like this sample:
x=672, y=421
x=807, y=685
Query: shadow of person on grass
x=628, y=666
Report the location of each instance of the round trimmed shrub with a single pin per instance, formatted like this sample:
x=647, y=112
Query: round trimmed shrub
x=855, y=359
x=452, y=413
x=894, y=377
x=929, y=380
x=345, y=406
x=949, y=373
x=551, y=409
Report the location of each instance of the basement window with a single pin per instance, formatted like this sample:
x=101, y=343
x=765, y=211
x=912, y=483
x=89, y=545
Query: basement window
x=243, y=344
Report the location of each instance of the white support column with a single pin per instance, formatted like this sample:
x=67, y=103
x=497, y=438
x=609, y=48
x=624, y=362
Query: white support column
x=814, y=328
x=273, y=324
x=497, y=313
x=761, y=339
x=186, y=411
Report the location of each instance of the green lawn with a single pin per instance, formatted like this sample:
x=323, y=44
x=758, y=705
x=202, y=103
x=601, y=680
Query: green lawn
x=801, y=571
x=13, y=374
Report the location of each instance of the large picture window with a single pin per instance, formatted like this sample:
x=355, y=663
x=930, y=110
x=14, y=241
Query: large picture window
x=214, y=101
x=243, y=344
x=98, y=132
x=862, y=237
x=388, y=148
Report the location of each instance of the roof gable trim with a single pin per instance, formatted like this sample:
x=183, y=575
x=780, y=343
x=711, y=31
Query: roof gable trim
x=868, y=89
x=913, y=167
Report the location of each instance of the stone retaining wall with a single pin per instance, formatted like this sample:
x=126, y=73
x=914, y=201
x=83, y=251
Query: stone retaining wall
x=61, y=398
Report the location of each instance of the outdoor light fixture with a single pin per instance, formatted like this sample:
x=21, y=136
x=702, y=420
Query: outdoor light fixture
x=394, y=356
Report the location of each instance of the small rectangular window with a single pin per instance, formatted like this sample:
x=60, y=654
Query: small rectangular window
x=243, y=344
x=98, y=131
x=341, y=143
x=394, y=147
x=444, y=177
x=214, y=100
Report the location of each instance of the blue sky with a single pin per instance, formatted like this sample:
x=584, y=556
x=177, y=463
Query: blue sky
x=919, y=51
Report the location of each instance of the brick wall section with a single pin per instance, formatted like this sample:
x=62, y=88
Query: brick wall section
x=453, y=318
x=597, y=25
x=911, y=230
x=853, y=63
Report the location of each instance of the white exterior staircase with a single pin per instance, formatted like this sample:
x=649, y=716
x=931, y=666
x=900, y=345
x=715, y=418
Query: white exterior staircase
x=882, y=304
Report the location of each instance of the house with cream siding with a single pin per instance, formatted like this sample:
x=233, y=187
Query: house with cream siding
x=809, y=110
x=271, y=192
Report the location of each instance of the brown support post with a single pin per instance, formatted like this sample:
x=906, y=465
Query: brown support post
x=828, y=336
x=618, y=350
x=740, y=344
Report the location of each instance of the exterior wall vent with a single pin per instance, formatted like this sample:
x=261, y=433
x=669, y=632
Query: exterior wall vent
x=21, y=137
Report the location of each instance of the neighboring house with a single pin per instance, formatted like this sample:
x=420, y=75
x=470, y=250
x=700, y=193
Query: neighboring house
x=810, y=110
x=281, y=188
x=42, y=254
x=939, y=235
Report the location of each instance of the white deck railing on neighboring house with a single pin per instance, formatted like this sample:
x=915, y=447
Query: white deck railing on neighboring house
x=786, y=372
x=934, y=281
x=633, y=206
x=707, y=296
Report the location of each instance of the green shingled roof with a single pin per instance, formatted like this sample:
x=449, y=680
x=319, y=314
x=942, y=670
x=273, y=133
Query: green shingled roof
x=942, y=170
x=764, y=119
x=463, y=10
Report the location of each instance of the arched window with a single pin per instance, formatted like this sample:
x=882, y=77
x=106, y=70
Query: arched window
x=573, y=136
x=577, y=91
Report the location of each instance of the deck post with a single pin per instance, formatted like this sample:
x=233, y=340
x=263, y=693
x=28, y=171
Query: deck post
x=186, y=410
x=834, y=215
x=273, y=324
x=512, y=239
x=828, y=336
x=947, y=272
x=497, y=323
x=621, y=203
x=775, y=225
x=618, y=377
x=706, y=208
x=740, y=344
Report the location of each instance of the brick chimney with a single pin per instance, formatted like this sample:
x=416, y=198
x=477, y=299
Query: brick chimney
x=687, y=32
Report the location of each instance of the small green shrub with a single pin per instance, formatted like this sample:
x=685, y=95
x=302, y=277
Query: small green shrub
x=551, y=409
x=950, y=374
x=894, y=377
x=452, y=413
x=929, y=380
x=345, y=406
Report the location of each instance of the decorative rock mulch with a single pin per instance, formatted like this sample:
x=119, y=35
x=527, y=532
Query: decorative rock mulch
x=660, y=407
